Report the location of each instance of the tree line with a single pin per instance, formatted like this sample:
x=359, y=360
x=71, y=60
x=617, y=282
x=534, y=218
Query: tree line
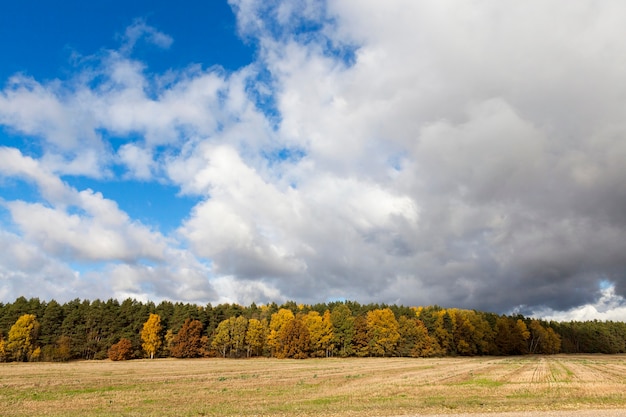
x=34, y=330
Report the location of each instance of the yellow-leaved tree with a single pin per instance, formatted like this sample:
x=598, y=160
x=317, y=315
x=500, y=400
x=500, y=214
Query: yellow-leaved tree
x=382, y=331
x=221, y=338
x=255, y=337
x=3, y=352
x=151, y=335
x=320, y=332
x=277, y=322
x=22, y=339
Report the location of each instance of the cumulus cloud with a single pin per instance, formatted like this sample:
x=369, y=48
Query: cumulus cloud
x=24, y=265
x=468, y=155
x=76, y=225
x=486, y=128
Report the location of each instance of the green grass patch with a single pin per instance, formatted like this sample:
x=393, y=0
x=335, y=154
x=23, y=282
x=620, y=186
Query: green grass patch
x=481, y=382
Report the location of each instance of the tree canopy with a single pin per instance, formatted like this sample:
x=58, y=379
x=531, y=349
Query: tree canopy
x=33, y=330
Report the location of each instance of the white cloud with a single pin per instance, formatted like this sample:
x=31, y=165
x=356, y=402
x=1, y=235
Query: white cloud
x=468, y=155
x=75, y=224
x=608, y=307
x=180, y=277
x=24, y=266
x=140, y=29
x=139, y=161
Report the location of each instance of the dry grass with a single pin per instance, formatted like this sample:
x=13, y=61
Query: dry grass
x=314, y=387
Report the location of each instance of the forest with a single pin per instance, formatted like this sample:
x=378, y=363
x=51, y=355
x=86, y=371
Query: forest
x=34, y=330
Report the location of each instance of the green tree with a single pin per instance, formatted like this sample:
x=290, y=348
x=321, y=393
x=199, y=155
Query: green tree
x=409, y=337
x=151, y=335
x=22, y=343
x=51, y=322
x=343, y=329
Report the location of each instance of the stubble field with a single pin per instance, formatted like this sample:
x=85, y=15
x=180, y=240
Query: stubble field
x=313, y=387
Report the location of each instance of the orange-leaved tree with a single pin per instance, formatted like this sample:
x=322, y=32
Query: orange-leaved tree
x=188, y=342
x=121, y=351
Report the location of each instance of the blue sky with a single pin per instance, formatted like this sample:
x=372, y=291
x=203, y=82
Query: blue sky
x=408, y=152
x=44, y=36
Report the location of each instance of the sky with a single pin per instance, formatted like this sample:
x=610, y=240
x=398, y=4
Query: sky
x=469, y=154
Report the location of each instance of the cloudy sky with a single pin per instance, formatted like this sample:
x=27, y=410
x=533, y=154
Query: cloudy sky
x=467, y=154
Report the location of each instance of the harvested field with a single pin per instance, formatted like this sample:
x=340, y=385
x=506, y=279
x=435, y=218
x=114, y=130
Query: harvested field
x=314, y=387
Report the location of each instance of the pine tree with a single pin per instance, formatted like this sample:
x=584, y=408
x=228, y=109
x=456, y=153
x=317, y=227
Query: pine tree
x=343, y=329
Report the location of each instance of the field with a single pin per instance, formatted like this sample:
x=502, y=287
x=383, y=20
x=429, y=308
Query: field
x=313, y=387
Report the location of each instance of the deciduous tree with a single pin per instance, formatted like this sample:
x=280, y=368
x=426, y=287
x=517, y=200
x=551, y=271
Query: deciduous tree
x=23, y=338
x=295, y=340
x=360, y=340
x=151, y=335
x=255, y=337
x=321, y=332
x=188, y=341
x=121, y=351
x=278, y=321
x=3, y=351
x=382, y=331
x=63, y=349
x=238, y=327
x=221, y=338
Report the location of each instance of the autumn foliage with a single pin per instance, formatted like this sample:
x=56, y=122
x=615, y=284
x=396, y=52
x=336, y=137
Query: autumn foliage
x=31, y=330
x=151, y=335
x=188, y=342
x=121, y=351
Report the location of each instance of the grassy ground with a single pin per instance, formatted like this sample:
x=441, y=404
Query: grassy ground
x=313, y=387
